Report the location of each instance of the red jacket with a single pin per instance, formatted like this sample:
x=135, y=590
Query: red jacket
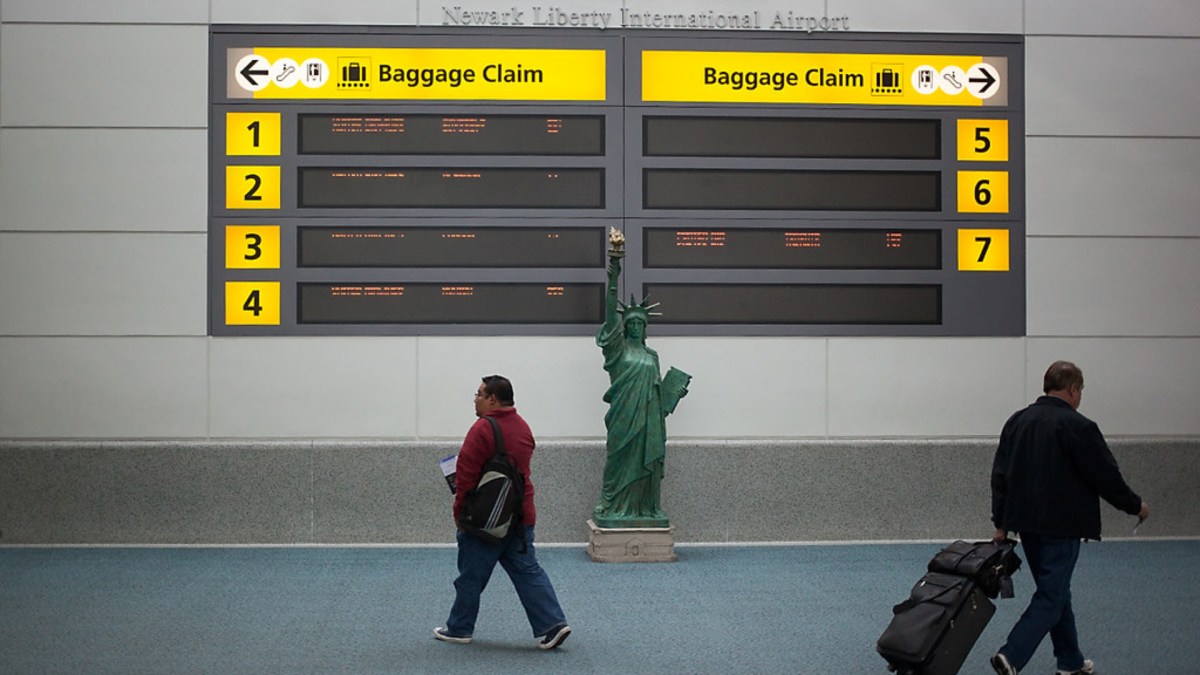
x=478, y=447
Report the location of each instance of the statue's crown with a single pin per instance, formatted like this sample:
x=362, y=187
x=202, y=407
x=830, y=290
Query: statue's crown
x=642, y=310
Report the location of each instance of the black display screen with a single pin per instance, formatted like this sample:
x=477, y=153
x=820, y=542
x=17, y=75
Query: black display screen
x=791, y=137
x=483, y=247
x=451, y=188
x=477, y=134
x=450, y=303
x=765, y=189
x=792, y=248
x=896, y=304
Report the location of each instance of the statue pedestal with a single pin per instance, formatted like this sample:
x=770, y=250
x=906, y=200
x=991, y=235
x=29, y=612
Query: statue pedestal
x=631, y=544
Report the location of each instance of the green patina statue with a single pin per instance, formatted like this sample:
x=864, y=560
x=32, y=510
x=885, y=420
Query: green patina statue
x=639, y=401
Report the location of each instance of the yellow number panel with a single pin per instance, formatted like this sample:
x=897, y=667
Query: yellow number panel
x=983, y=250
x=252, y=133
x=251, y=187
x=983, y=140
x=983, y=192
x=252, y=247
x=251, y=303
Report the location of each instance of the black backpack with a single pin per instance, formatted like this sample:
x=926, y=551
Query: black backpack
x=493, y=510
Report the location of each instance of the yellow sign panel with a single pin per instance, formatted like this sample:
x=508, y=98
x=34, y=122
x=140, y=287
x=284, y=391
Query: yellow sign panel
x=252, y=247
x=786, y=77
x=252, y=133
x=252, y=303
x=251, y=187
x=420, y=74
x=983, y=192
x=982, y=140
x=983, y=250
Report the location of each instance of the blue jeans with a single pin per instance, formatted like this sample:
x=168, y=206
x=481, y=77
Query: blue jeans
x=477, y=559
x=1052, y=562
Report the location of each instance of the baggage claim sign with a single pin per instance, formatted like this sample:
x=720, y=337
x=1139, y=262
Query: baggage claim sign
x=405, y=182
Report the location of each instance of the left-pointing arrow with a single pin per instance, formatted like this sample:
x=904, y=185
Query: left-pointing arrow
x=248, y=72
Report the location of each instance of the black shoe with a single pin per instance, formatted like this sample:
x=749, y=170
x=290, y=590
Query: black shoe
x=555, y=637
x=1002, y=666
x=444, y=635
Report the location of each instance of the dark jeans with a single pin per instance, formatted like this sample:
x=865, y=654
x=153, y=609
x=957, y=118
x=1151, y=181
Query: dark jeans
x=476, y=560
x=1051, y=562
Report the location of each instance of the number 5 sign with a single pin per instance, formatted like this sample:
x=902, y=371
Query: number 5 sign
x=983, y=250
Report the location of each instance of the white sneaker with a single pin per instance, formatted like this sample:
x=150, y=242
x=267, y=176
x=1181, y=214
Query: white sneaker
x=1087, y=669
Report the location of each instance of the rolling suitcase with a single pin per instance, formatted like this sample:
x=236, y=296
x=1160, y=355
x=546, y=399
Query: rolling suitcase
x=932, y=632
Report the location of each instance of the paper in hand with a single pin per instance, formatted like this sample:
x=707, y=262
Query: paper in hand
x=449, y=470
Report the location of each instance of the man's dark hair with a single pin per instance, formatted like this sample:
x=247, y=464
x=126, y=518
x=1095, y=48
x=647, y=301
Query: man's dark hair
x=1060, y=376
x=500, y=387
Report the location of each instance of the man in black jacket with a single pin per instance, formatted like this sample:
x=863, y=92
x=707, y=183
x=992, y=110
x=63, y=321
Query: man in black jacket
x=1051, y=467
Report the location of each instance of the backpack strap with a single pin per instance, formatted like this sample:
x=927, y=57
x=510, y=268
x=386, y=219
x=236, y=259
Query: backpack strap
x=502, y=453
x=500, y=450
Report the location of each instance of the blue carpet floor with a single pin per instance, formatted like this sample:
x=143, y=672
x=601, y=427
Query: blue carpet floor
x=782, y=609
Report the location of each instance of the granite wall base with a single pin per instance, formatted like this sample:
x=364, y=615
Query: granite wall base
x=381, y=492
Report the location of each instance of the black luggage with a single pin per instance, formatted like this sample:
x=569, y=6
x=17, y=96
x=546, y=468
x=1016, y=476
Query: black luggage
x=932, y=632
x=990, y=563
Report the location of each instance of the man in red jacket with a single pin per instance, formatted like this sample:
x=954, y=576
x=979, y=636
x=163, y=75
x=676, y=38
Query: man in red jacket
x=1051, y=468
x=477, y=559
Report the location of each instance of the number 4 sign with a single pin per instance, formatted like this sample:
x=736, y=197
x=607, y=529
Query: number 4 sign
x=251, y=303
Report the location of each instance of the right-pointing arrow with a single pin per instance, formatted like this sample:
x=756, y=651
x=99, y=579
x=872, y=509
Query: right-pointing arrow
x=987, y=79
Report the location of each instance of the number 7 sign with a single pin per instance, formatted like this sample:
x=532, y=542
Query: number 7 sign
x=983, y=250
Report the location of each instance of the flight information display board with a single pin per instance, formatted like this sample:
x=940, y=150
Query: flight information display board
x=391, y=134
x=404, y=181
x=783, y=248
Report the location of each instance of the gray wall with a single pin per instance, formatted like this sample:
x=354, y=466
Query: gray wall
x=123, y=422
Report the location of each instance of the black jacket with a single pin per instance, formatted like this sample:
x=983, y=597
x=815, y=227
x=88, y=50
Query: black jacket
x=1051, y=466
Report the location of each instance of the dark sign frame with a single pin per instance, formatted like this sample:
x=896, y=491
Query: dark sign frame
x=886, y=169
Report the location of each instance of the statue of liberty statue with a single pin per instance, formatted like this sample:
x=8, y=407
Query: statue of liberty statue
x=639, y=401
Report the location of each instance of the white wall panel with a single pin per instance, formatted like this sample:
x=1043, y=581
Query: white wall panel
x=103, y=387
x=313, y=387
x=748, y=387
x=1113, y=17
x=102, y=284
x=742, y=387
x=1113, y=287
x=923, y=387
x=104, y=179
x=931, y=16
x=357, y=12
x=1079, y=86
x=106, y=11
x=104, y=75
x=1132, y=387
x=557, y=383
x=1139, y=187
